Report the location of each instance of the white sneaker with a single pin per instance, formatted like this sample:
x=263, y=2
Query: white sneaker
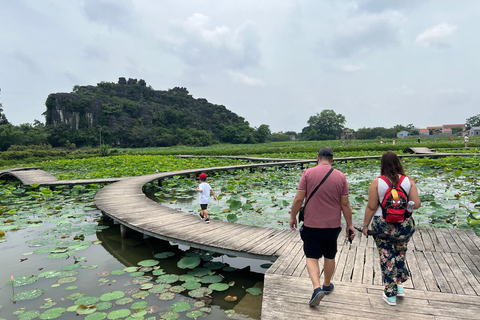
x=400, y=291
x=392, y=301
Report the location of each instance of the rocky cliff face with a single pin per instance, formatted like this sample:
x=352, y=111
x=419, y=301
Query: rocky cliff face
x=75, y=111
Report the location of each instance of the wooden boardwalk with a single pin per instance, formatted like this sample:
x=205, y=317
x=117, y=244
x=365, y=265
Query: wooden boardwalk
x=445, y=263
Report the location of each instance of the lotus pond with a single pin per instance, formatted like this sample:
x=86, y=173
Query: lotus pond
x=63, y=261
x=449, y=190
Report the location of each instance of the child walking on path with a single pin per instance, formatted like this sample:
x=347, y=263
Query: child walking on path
x=205, y=190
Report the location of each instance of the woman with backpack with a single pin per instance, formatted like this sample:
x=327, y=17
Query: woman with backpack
x=387, y=205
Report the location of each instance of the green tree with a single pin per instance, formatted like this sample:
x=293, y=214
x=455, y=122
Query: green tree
x=263, y=133
x=326, y=125
x=3, y=118
x=473, y=122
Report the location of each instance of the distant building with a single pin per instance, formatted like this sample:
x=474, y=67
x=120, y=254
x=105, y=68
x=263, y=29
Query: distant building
x=347, y=134
x=402, y=134
x=474, y=131
x=451, y=126
x=425, y=132
x=447, y=130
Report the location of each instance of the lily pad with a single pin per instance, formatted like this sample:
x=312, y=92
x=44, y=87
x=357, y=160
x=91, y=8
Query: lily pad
x=214, y=265
x=123, y=301
x=254, y=291
x=166, y=296
x=27, y=295
x=170, y=315
x=148, y=263
x=118, y=314
x=167, y=278
x=180, y=306
x=219, y=286
x=191, y=285
x=164, y=255
x=22, y=281
x=86, y=301
x=29, y=315
x=194, y=314
x=96, y=316
x=109, y=296
x=84, y=309
x=139, y=305
x=104, y=306
x=53, y=313
x=211, y=279
x=189, y=262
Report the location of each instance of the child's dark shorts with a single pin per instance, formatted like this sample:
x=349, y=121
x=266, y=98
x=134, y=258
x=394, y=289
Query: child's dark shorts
x=320, y=242
x=204, y=206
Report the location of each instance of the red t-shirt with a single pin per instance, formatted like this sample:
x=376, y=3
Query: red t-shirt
x=324, y=209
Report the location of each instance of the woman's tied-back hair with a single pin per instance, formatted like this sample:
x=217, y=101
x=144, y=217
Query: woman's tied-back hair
x=391, y=167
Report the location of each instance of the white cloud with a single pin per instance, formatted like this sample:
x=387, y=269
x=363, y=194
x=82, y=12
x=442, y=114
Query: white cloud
x=366, y=32
x=239, y=77
x=437, y=36
x=354, y=68
x=200, y=44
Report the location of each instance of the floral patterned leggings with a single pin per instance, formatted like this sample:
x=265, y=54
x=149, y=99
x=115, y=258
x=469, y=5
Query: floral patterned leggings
x=392, y=254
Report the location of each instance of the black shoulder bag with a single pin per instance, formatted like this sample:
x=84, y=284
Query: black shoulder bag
x=301, y=216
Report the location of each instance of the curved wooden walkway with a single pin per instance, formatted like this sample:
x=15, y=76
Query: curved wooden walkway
x=445, y=263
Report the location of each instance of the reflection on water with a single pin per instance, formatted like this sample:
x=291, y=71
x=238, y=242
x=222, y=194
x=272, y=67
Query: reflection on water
x=59, y=246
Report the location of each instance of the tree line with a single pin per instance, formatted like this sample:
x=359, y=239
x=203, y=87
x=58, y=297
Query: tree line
x=131, y=114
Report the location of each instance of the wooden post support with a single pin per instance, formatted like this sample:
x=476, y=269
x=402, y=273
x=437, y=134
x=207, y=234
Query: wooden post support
x=123, y=231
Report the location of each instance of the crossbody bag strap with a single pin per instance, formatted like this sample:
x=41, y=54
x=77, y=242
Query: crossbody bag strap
x=316, y=188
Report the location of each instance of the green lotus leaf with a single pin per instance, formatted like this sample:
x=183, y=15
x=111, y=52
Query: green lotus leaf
x=160, y=288
x=148, y=263
x=180, y=306
x=191, y=285
x=136, y=314
x=211, y=279
x=131, y=269
x=229, y=269
x=67, y=280
x=219, y=286
x=124, y=301
x=214, y=265
x=158, y=272
x=75, y=296
x=166, y=296
x=118, y=272
x=194, y=314
x=104, y=305
x=139, y=305
x=71, y=267
x=199, y=272
x=29, y=315
x=164, y=255
x=167, y=278
x=22, y=281
x=265, y=265
x=27, y=295
x=177, y=289
x=47, y=274
x=140, y=295
x=235, y=205
x=53, y=313
x=142, y=280
x=170, y=315
x=96, y=316
x=232, y=217
x=86, y=300
x=118, y=314
x=71, y=288
x=84, y=309
x=200, y=292
x=254, y=291
x=109, y=296
x=189, y=262
x=146, y=286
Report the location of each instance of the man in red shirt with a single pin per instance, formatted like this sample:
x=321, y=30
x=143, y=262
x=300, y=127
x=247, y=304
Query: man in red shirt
x=322, y=223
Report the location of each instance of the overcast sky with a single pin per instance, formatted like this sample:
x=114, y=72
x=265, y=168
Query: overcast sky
x=275, y=62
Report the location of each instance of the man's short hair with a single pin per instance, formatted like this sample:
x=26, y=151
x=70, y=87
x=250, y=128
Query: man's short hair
x=325, y=153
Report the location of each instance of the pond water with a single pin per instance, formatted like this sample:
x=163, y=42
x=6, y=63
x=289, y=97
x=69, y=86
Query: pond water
x=263, y=198
x=68, y=262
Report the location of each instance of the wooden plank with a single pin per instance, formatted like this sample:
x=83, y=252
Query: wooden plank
x=467, y=241
x=437, y=273
x=358, y=268
x=463, y=248
x=473, y=264
x=368, y=267
x=459, y=272
x=427, y=240
x=340, y=264
x=424, y=267
x=288, y=256
x=418, y=241
x=415, y=273
x=443, y=244
x=452, y=281
x=449, y=239
x=297, y=257
x=282, y=258
x=349, y=264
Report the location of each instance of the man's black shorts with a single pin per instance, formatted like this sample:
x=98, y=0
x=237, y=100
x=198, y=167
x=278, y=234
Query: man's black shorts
x=203, y=206
x=320, y=242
